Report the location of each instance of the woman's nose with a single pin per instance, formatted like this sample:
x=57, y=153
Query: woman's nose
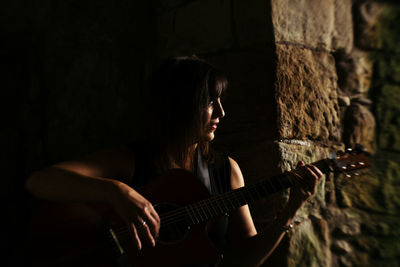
x=220, y=110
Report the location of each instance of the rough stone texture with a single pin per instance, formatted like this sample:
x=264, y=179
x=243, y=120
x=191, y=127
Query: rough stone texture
x=342, y=35
x=308, y=242
x=373, y=202
x=307, y=95
x=359, y=127
x=312, y=234
x=354, y=72
x=197, y=27
x=316, y=24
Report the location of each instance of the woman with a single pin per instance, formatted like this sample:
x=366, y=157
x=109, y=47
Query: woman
x=184, y=112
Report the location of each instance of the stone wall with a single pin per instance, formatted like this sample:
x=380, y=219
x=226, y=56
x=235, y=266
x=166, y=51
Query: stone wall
x=350, y=222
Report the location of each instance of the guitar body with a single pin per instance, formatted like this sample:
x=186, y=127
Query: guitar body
x=75, y=234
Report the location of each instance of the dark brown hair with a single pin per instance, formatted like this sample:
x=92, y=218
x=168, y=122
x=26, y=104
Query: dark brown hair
x=181, y=89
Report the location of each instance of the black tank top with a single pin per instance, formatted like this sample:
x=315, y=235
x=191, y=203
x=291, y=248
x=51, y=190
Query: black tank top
x=215, y=175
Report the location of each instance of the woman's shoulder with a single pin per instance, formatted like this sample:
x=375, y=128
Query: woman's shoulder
x=236, y=174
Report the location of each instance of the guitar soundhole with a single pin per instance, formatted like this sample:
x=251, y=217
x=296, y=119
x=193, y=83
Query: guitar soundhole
x=174, y=227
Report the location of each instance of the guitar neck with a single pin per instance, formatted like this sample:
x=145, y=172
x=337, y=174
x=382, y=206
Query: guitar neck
x=224, y=203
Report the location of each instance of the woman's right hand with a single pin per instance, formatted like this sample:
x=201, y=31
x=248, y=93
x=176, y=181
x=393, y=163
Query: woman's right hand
x=138, y=213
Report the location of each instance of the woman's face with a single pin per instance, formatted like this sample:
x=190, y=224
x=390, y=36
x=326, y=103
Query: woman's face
x=214, y=112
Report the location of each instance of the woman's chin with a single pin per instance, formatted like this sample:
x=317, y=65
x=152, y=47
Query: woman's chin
x=210, y=136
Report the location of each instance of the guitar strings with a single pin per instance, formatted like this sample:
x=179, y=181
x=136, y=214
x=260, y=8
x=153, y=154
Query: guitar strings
x=206, y=205
x=178, y=214
x=181, y=213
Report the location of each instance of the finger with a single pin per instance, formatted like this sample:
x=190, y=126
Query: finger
x=300, y=163
x=316, y=170
x=135, y=236
x=153, y=221
x=144, y=231
x=311, y=173
x=313, y=178
x=157, y=221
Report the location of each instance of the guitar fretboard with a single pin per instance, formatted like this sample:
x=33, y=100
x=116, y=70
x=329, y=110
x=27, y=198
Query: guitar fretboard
x=224, y=203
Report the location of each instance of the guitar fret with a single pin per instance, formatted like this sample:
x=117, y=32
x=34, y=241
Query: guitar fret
x=230, y=202
x=187, y=217
x=211, y=208
x=207, y=209
x=224, y=205
x=219, y=206
x=187, y=208
x=201, y=211
x=194, y=211
x=212, y=205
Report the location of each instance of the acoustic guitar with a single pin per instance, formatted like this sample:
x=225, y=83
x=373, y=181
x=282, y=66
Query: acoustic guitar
x=92, y=235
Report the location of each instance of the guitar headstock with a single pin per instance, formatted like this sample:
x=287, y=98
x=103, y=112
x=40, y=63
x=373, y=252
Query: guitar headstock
x=350, y=160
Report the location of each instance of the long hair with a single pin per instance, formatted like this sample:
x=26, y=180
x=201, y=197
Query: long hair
x=181, y=89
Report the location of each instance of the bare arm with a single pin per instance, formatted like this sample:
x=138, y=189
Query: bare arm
x=100, y=177
x=250, y=248
x=93, y=178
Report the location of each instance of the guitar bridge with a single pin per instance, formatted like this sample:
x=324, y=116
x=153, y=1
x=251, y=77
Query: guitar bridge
x=114, y=244
x=114, y=240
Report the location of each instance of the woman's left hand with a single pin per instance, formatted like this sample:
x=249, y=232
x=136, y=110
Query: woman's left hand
x=306, y=178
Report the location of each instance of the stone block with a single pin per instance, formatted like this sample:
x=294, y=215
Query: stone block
x=342, y=34
x=354, y=72
x=359, y=127
x=306, y=248
x=318, y=24
x=198, y=27
x=306, y=94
